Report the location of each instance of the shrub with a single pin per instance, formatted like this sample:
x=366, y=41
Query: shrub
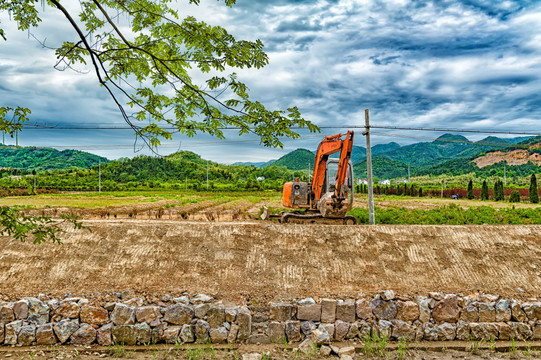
x=515, y=196
x=534, y=195
x=484, y=191
x=470, y=190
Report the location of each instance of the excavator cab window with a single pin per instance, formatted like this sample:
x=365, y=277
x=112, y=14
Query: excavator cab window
x=330, y=179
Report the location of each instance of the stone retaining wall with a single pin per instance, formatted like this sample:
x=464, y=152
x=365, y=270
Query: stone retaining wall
x=201, y=318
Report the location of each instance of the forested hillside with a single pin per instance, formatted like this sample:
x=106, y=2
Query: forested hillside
x=32, y=158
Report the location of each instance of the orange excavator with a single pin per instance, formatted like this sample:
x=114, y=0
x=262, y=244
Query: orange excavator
x=329, y=195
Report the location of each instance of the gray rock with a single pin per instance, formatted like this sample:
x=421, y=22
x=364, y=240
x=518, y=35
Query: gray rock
x=517, y=314
x=45, y=335
x=363, y=309
x=424, y=309
x=463, y=331
x=384, y=310
x=200, y=311
x=258, y=339
x=328, y=310
x=259, y=328
x=38, y=311
x=186, y=334
x=438, y=296
x=276, y=332
x=148, y=314
x=157, y=333
x=143, y=333
x=329, y=328
x=307, y=327
x=325, y=350
x=489, y=298
x=446, y=310
x=244, y=320
x=470, y=313
x=1, y=333
x=345, y=310
x=231, y=314
x=104, y=335
x=178, y=314
x=124, y=334
x=353, y=331
x=520, y=331
x=533, y=311
x=402, y=330
x=201, y=298
x=123, y=314
x=483, y=331
x=219, y=335
x=341, y=329
x=503, y=310
x=20, y=309
x=364, y=329
x=487, y=312
x=385, y=328
x=64, y=329
x=171, y=333
x=430, y=332
x=307, y=347
x=216, y=316
x=293, y=330
x=307, y=301
x=387, y=295
x=85, y=335
x=252, y=356
x=182, y=300
x=233, y=332
x=310, y=312
x=259, y=314
x=27, y=335
x=202, y=329
x=282, y=311
x=446, y=332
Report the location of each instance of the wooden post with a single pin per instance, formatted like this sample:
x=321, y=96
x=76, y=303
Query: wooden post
x=371, y=217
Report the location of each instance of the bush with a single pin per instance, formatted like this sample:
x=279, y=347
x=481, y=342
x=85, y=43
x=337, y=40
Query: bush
x=534, y=195
x=515, y=196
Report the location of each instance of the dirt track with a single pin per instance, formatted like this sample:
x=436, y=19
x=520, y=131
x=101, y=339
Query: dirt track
x=243, y=261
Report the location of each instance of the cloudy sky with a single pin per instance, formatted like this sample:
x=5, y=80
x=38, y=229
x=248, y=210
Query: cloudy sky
x=470, y=64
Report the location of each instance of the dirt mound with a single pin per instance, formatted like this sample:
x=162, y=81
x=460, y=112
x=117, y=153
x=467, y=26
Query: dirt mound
x=243, y=261
x=513, y=158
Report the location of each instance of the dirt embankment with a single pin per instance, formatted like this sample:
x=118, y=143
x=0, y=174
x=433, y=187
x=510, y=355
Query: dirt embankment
x=243, y=261
x=515, y=157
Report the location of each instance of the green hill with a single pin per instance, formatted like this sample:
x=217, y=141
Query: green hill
x=299, y=159
x=32, y=158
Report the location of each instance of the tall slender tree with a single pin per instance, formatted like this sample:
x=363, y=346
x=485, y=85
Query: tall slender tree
x=484, y=191
x=534, y=194
x=470, y=190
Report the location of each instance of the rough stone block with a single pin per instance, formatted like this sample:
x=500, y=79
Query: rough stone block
x=504, y=331
x=123, y=315
x=64, y=329
x=219, y=335
x=85, y=335
x=503, y=310
x=341, y=329
x=470, y=313
x=233, y=332
x=186, y=334
x=363, y=309
x=310, y=312
x=38, y=311
x=231, y=314
x=532, y=310
x=202, y=329
x=67, y=310
x=216, y=316
x=171, y=334
x=463, y=331
x=407, y=311
x=517, y=314
x=520, y=331
x=328, y=310
x=353, y=331
x=430, y=332
x=307, y=327
x=487, y=312
x=27, y=335
x=124, y=334
x=94, y=315
x=446, y=332
x=45, y=335
x=244, y=320
x=402, y=330
x=385, y=328
x=293, y=330
x=143, y=333
x=384, y=310
x=104, y=336
x=148, y=314
x=345, y=310
x=6, y=314
x=276, y=332
x=178, y=314
x=258, y=339
x=320, y=336
x=446, y=310
x=20, y=309
x=424, y=308
x=200, y=311
x=484, y=331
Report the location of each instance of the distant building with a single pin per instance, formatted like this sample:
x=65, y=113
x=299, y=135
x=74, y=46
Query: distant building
x=385, y=182
x=260, y=178
x=362, y=181
x=403, y=181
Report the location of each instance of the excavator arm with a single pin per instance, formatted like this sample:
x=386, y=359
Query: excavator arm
x=330, y=145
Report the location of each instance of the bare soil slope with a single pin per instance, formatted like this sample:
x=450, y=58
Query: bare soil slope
x=246, y=261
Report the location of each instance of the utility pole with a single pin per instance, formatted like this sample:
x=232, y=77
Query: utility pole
x=207, y=174
x=371, y=217
x=408, y=173
x=99, y=175
x=505, y=173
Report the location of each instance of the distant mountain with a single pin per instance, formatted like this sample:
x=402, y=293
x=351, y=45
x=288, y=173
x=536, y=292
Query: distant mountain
x=382, y=168
x=33, y=158
x=296, y=160
x=260, y=164
x=382, y=148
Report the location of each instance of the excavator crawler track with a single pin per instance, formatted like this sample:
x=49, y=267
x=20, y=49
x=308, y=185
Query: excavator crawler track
x=315, y=219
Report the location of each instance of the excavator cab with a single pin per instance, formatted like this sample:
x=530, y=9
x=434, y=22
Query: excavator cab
x=330, y=179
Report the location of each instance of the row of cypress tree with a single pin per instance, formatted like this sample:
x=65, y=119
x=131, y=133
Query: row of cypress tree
x=499, y=193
